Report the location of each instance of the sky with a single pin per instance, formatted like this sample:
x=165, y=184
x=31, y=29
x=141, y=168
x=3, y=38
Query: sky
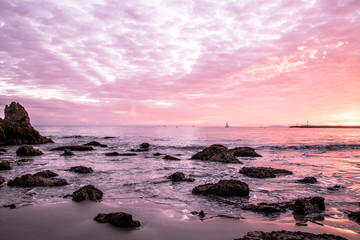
x=182, y=62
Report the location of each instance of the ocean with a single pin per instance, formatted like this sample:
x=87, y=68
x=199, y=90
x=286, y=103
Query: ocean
x=332, y=156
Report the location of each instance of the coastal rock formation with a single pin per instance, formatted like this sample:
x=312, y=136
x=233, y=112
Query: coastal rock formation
x=112, y=154
x=15, y=128
x=95, y=143
x=81, y=169
x=269, y=208
x=5, y=165
x=263, y=172
x=28, y=150
x=73, y=148
x=335, y=188
x=288, y=235
x=2, y=180
x=244, y=152
x=169, y=157
x=216, y=153
x=118, y=219
x=180, y=177
x=306, y=206
x=226, y=188
x=67, y=152
x=355, y=216
x=88, y=192
x=46, y=174
x=37, y=180
x=144, y=147
x=310, y=180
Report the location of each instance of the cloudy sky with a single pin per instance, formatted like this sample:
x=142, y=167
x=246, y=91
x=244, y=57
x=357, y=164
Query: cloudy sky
x=182, y=62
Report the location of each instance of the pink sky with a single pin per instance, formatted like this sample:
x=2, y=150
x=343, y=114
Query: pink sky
x=182, y=62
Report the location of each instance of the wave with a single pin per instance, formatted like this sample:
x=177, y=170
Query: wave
x=326, y=147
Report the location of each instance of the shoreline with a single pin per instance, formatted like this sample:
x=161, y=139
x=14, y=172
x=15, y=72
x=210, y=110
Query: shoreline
x=69, y=220
x=324, y=126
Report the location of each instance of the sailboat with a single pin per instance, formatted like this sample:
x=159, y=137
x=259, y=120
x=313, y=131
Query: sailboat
x=227, y=125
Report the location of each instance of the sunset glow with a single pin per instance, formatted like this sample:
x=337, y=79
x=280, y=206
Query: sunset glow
x=182, y=62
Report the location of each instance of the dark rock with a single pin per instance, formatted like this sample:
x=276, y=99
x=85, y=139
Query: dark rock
x=15, y=128
x=2, y=180
x=287, y=235
x=157, y=154
x=109, y=137
x=244, y=152
x=118, y=219
x=263, y=172
x=127, y=154
x=223, y=188
x=73, y=148
x=67, y=152
x=112, y=154
x=144, y=147
x=306, y=206
x=335, y=188
x=88, y=192
x=3, y=150
x=168, y=157
x=21, y=161
x=201, y=214
x=81, y=169
x=28, y=150
x=216, y=153
x=29, y=180
x=180, y=177
x=95, y=143
x=264, y=208
x=11, y=206
x=46, y=174
x=5, y=165
x=310, y=180
x=355, y=216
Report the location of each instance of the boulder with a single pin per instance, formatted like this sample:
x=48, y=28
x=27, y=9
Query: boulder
x=5, y=165
x=226, y=188
x=216, y=153
x=73, y=148
x=46, y=174
x=67, y=152
x=310, y=205
x=112, y=154
x=244, y=152
x=288, y=235
x=354, y=216
x=29, y=180
x=118, y=219
x=310, y=180
x=263, y=172
x=2, y=180
x=169, y=157
x=81, y=169
x=88, y=192
x=28, y=150
x=15, y=128
x=95, y=143
x=335, y=188
x=144, y=147
x=180, y=177
x=157, y=154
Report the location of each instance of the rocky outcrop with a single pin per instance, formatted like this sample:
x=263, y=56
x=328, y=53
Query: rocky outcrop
x=73, y=148
x=46, y=174
x=269, y=208
x=169, y=157
x=244, y=152
x=88, y=192
x=180, y=177
x=216, y=153
x=144, y=147
x=15, y=128
x=306, y=206
x=95, y=143
x=310, y=180
x=288, y=235
x=81, y=169
x=118, y=219
x=263, y=172
x=354, y=216
x=5, y=165
x=67, y=152
x=226, y=188
x=2, y=180
x=37, y=180
x=28, y=150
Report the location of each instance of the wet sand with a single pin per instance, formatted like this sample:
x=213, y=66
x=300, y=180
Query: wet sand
x=69, y=220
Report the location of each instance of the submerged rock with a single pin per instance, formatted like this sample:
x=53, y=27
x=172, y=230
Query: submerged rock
x=81, y=169
x=37, y=180
x=263, y=172
x=2, y=180
x=223, y=188
x=88, y=192
x=67, y=152
x=180, y=177
x=216, y=153
x=73, y=148
x=28, y=150
x=288, y=235
x=169, y=157
x=269, y=208
x=335, y=188
x=310, y=180
x=15, y=128
x=306, y=206
x=244, y=152
x=112, y=154
x=5, y=165
x=355, y=216
x=3, y=150
x=95, y=143
x=144, y=147
x=118, y=219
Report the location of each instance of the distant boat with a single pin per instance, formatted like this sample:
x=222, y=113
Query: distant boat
x=227, y=125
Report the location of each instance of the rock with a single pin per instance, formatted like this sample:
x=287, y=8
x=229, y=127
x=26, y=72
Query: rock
x=88, y=192
x=81, y=169
x=118, y=219
x=223, y=188
x=144, y=147
x=180, y=177
x=73, y=148
x=15, y=128
x=112, y=154
x=335, y=188
x=310, y=180
x=2, y=180
x=127, y=154
x=306, y=206
x=157, y=154
x=288, y=235
x=11, y=206
x=5, y=165
x=201, y=214
x=95, y=143
x=355, y=216
x=263, y=208
x=29, y=180
x=169, y=157
x=244, y=152
x=216, y=153
x=28, y=150
x=263, y=172
x=3, y=150
x=46, y=174
x=67, y=152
